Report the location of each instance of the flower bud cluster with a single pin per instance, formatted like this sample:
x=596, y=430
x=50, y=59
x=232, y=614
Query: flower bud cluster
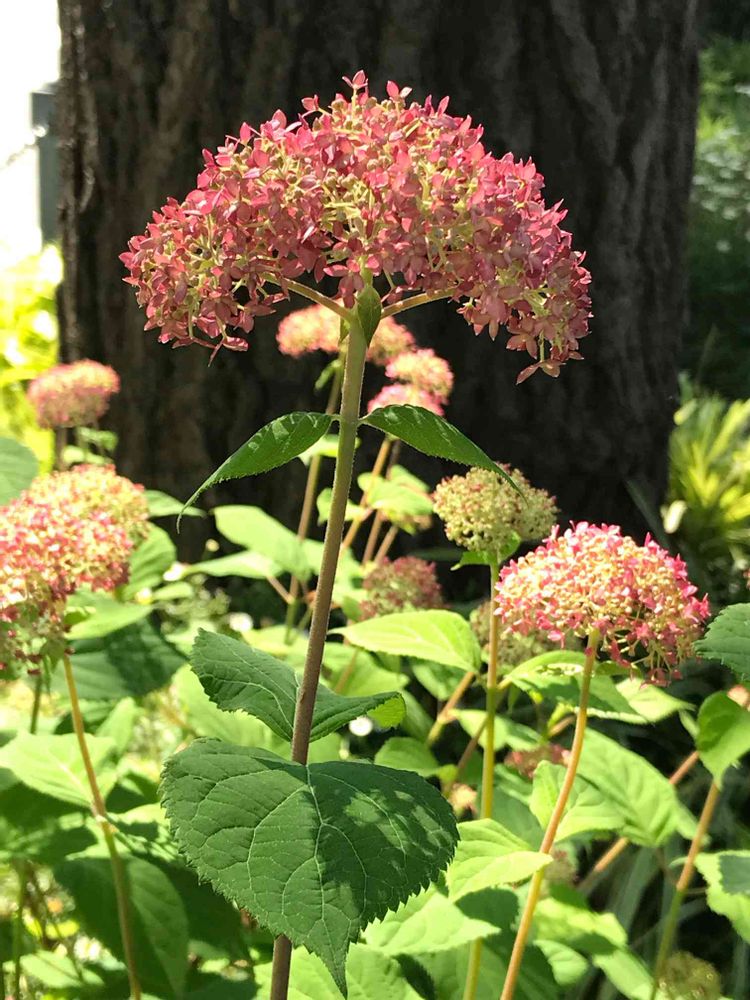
x=399, y=193
x=75, y=395
x=592, y=578
x=483, y=513
x=69, y=530
x=406, y=584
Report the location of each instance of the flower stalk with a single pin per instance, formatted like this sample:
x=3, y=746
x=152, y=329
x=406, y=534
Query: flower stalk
x=100, y=815
x=527, y=917
x=488, y=764
x=308, y=503
x=348, y=421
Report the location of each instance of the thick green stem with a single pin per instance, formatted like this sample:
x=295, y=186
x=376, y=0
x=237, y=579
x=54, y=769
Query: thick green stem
x=535, y=888
x=342, y=480
x=488, y=766
x=308, y=504
x=100, y=814
x=683, y=884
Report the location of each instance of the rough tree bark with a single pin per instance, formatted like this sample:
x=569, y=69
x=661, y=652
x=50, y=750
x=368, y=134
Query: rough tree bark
x=601, y=94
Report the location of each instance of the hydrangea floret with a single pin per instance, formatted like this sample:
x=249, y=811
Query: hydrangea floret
x=68, y=530
x=592, y=579
x=425, y=370
x=393, y=191
x=405, y=584
x=512, y=647
x=74, y=395
x=482, y=512
x=317, y=328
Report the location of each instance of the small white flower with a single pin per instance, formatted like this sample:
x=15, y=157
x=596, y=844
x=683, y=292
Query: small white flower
x=240, y=622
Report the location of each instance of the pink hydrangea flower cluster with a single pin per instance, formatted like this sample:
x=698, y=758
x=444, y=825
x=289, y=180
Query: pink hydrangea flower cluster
x=592, y=577
x=318, y=328
x=391, y=190
x=69, y=530
x=424, y=370
x=400, y=394
x=75, y=395
x=406, y=584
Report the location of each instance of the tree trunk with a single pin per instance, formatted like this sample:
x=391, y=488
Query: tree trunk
x=602, y=95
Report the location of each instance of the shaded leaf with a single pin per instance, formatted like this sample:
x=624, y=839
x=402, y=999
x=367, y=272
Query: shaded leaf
x=52, y=765
x=131, y=662
x=406, y=754
x=158, y=921
x=163, y=505
x=734, y=906
x=150, y=561
x=237, y=677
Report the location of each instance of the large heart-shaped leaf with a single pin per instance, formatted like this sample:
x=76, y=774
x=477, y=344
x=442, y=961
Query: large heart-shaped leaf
x=313, y=852
x=238, y=677
x=432, y=435
x=273, y=445
x=436, y=636
x=587, y=809
x=727, y=639
x=254, y=529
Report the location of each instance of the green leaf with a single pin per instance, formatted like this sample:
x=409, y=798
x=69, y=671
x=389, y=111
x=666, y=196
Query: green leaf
x=248, y=565
x=723, y=734
x=119, y=724
x=52, y=765
x=369, y=309
x=273, y=445
x=558, y=679
x=163, y=505
x=587, y=810
x=430, y=922
x=733, y=906
x=18, y=467
x=647, y=801
x=370, y=975
x=727, y=640
x=489, y=855
x=406, y=754
x=103, y=614
x=357, y=839
x=432, y=435
x=436, y=636
x=158, y=920
x=565, y=915
x=734, y=867
x=36, y=827
x=628, y=974
x=150, y=561
x=131, y=662
x=253, y=529
x=650, y=702
x=59, y=973
x=237, y=677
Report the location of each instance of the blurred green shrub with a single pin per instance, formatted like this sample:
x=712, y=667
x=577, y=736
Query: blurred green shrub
x=28, y=343
x=718, y=346
x=707, y=513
